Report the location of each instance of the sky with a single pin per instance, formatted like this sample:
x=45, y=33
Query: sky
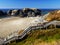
x=43, y=4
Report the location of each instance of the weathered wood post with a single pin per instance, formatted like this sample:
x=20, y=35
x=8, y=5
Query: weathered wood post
x=9, y=42
x=51, y=26
x=55, y=26
x=39, y=27
x=46, y=28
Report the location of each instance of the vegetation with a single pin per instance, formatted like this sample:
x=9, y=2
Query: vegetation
x=41, y=37
x=53, y=15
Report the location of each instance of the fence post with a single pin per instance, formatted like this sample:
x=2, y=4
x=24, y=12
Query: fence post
x=55, y=25
x=46, y=28
x=51, y=26
x=9, y=42
x=40, y=28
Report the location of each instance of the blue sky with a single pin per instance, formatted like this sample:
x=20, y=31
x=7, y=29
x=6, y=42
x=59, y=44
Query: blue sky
x=43, y=4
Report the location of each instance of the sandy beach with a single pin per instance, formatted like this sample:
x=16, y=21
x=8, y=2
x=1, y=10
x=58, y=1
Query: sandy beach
x=11, y=24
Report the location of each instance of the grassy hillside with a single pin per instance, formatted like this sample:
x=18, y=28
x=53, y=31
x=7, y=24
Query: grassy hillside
x=41, y=37
x=53, y=15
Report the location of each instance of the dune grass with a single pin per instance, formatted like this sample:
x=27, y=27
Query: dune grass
x=40, y=37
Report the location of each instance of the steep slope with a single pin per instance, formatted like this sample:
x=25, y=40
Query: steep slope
x=53, y=15
x=41, y=37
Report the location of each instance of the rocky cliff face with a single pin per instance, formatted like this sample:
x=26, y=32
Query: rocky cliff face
x=26, y=12
x=53, y=15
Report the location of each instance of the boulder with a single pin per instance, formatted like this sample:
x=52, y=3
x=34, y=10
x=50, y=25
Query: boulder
x=14, y=12
x=37, y=12
x=26, y=11
x=9, y=12
x=31, y=14
x=21, y=14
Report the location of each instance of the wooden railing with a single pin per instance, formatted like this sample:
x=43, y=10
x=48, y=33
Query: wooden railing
x=28, y=29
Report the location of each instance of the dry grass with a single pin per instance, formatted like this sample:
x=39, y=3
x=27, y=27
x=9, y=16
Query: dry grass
x=41, y=37
x=53, y=15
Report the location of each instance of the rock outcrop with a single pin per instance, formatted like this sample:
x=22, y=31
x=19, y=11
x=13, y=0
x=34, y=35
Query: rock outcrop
x=9, y=12
x=26, y=12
